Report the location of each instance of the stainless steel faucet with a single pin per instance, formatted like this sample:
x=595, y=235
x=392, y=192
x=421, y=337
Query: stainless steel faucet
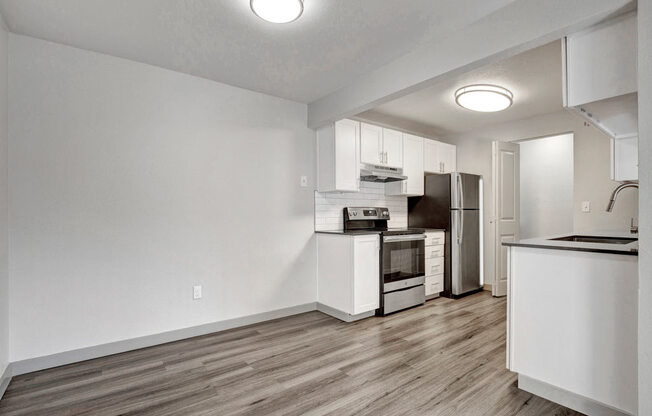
x=633, y=228
x=616, y=191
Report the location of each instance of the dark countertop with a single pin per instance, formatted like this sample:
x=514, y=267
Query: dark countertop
x=630, y=249
x=342, y=232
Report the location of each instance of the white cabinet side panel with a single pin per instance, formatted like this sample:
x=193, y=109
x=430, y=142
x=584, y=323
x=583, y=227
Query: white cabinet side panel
x=366, y=274
x=335, y=271
x=574, y=321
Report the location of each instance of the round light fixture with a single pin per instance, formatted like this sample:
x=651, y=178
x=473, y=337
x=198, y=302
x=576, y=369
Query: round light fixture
x=277, y=11
x=485, y=98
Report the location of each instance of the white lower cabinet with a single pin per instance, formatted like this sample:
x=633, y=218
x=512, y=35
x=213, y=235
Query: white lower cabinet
x=434, y=284
x=348, y=275
x=434, y=266
x=435, y=258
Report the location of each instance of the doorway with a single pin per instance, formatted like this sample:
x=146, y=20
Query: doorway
x=532, y=192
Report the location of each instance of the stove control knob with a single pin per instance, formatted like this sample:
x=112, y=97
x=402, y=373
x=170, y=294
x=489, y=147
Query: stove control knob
x=354, y=213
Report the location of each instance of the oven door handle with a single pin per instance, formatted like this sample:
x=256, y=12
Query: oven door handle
x=396, y=238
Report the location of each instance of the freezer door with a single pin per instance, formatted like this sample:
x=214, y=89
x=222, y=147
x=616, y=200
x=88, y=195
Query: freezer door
x=465, y=191
x=465, y=251
x=433, y=208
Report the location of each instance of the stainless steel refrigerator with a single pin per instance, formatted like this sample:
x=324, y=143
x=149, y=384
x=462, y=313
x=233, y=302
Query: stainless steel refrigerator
x=452, y=202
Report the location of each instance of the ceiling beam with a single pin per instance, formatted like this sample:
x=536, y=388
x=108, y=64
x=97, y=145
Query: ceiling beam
x=517, y=27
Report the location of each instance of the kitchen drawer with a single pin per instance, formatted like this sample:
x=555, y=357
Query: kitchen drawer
x=434, y=284
x=433, y=252
x=434, y=266
x=435, y=239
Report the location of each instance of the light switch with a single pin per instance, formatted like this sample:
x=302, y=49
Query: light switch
x=586, y=206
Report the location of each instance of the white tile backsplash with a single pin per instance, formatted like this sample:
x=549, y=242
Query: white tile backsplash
x=328, y=206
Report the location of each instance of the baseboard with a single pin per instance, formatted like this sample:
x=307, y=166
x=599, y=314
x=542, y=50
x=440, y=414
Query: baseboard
x=566, y=398
x=343, y=316
x=5, y=379
x=89, y=353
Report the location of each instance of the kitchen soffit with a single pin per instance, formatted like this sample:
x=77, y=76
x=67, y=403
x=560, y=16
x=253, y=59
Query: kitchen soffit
x=534, y=77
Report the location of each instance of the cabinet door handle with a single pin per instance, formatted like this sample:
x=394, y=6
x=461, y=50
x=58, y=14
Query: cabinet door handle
x=380, y=156
x=441, y=167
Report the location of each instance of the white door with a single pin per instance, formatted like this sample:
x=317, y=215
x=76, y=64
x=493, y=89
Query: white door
x=366, y=269
x=506, y=186
x=371, y=144
x=393, y=148
x=448, y=157
x=431, y=162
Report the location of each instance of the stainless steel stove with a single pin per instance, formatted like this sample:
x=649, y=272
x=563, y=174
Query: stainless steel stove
x=402, y=257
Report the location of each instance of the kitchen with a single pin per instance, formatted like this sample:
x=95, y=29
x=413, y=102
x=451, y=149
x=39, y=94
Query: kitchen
x=363, y=207
x=601, y=135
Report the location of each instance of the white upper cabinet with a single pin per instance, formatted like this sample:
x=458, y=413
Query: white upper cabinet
x=412, y=167
x=601, y=61
x=448, y=157
x=338, y=155
x=380, y=146
x=439, y=157
x=600, y=74
x=371, y=144
x=431, y=163
x=624, y=159
x=393, y=148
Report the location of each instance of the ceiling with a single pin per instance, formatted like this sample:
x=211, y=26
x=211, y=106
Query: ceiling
x=534, y=77
x=334, y=42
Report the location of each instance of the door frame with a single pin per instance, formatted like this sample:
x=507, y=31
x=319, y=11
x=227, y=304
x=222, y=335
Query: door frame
x=496, y=289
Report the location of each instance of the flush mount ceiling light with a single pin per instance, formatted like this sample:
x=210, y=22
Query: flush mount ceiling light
x=277, y=11
x=483, y=97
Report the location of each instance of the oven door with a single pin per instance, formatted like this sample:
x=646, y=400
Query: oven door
x=403, y=261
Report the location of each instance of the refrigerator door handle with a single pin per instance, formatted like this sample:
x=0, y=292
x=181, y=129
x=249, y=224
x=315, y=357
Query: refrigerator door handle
x=460, y=191
x=461, y=227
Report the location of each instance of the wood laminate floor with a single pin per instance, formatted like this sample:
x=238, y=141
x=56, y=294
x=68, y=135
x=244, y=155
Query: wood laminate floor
x=444, y=358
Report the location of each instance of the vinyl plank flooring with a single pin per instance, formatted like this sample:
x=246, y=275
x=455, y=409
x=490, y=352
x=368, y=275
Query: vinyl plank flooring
x=444, y=358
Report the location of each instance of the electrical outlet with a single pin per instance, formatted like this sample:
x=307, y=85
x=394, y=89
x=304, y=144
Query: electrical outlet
x=586, y=206
x=196, y=292
x=304, y=181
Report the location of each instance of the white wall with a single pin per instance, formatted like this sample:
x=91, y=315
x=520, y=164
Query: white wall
x=130, y=184
x=645, y=176
x=546, y=186
x=591, y=180
x=329, y=214
x=4, y=271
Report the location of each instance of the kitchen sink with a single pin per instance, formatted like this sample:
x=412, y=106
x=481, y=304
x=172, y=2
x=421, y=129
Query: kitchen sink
x=596, y=239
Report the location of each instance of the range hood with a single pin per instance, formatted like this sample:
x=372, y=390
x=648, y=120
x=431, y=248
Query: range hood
x=381, y=174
